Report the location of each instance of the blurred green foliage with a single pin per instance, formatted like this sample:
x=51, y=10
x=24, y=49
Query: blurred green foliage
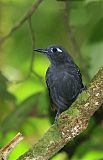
x=24, y=106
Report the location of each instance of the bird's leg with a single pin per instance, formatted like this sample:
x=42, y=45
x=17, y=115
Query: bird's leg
x=84, y=88
x=57, y=116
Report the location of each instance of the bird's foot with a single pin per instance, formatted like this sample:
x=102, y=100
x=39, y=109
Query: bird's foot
x=85, y=88
x=56, y=118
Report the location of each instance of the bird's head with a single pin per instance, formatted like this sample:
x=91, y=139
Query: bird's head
x=56, y=54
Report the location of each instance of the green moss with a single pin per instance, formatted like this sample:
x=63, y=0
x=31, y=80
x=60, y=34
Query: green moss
x=73, y=111
x=53, y=133
x=83, y=97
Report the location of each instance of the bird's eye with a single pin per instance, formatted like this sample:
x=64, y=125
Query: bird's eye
x=54, y=50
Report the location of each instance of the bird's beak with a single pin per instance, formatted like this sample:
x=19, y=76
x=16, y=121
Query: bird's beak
x=43, y=50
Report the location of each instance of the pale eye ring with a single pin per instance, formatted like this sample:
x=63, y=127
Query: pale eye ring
x=56, y=50
x=59, y=50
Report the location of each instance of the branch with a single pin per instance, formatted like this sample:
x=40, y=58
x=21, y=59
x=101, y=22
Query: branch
x=71, y=122
x=10, y=146
x=21, y=22
x=73, y=40
x=17, y=25
x=33, y=55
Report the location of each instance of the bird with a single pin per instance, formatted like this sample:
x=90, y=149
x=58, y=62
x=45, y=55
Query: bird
x=63, y=78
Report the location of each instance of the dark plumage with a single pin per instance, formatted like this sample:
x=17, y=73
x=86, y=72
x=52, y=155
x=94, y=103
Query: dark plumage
x=63, y=78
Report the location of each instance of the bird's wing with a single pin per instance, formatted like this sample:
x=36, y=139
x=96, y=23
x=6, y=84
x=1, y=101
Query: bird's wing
x=49, y=84
x=70, y=86
x=65, y=89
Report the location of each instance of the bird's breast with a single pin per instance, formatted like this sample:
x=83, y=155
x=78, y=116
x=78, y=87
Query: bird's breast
x=55, y=76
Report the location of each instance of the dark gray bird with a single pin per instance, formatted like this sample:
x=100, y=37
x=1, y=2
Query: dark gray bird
x=63, y=78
